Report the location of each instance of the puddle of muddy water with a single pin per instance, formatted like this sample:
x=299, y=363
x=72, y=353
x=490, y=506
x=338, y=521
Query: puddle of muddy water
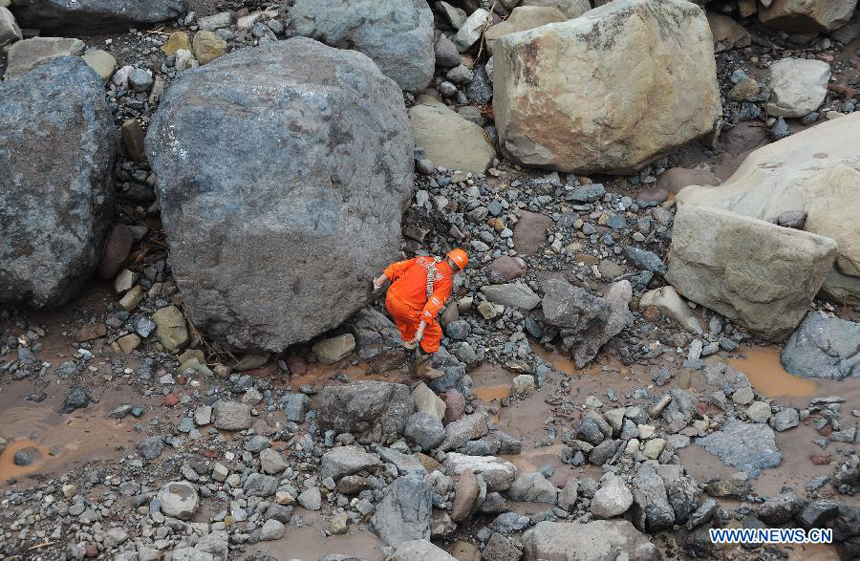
x=766, y=374
x=37, y=454
x=493, y=393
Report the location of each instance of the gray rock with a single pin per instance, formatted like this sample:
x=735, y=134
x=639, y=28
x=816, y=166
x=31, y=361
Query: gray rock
x=613, y=498
x=462, y=430
x=587, y=193
x=310, y=498
x=767, y=286
x=57, y=202
x=601, y=540
x=644, y=259
x=533, y=488
x=343, y=149
x=178, y=499
x=785, y=419
x=404, y=513
x=259, y=485
x=78, y=398
x=447, y=54
x=413, y=550
x=396, y=34
x=369, y=409
x=498, y=474
x=823, y=347
x=450, y=140
x=297, y=406
x=9, y=30
x=746, y=446
x=272, y=530
x=587, y=322
x=652, y=511
x=781, y=508
x=515, y=295
x=232, y=415
x=272, y=461
x=87, y=17
x=257, y=444
x=682, y=490
x=424, y=430
x=151, y=448
x=347, y=460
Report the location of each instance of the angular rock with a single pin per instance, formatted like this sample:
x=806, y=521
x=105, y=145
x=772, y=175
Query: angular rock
x=767, y=285
x=449, y=140
x=823, y=347
x=798, y=86
x=334, y=349
x=366, y=408
x=652, y=511
x=420, y=549
x=746, y=446
x=613, y=498
x=259, y=485
x=9, y=30
x=533, y=488
x=272, y=461
x=24, y=55
x=666, y=300
x=272, y=530
x=614, y=116
x=207, y=46
x=816, y=172
x=426, y=401
x=57, y=146
x=728, y=34
x=522, y=18
x=404, y=513
x=178, y=499
x=470, y=31
x=601, y=540
x=530, y=232
x=232, y=415
x=802, y=16
x=325, y=136
x=459, y=432
x=396, y=34
x=424, y=430
x=171, y=328
x=90, y=17
x=347, y=460
x=498, y=474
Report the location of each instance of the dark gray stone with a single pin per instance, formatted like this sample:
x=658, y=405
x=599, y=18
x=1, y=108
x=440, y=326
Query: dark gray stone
x=57, y=146
x=747, y=446
x=823, y=347
x=366, y=409
x=151, y=448
x=88, y=17
x=404, y=513
x=644, y=259
x=325, y=137
x=424, y=430
x=78, y=398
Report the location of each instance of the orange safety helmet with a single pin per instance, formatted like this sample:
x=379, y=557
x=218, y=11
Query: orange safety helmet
x=459, y=257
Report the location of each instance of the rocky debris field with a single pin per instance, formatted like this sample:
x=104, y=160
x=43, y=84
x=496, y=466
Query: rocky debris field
x=658, y=333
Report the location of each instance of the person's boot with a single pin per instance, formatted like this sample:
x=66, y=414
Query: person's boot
x=423, y=368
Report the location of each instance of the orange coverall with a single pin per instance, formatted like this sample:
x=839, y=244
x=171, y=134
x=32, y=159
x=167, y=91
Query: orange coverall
x=407, y=301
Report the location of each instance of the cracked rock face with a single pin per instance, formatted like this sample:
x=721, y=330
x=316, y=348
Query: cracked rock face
x=57, y=146
x=325, y=137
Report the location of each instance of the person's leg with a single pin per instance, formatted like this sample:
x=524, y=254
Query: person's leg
x=402, y=316
x=432, y=338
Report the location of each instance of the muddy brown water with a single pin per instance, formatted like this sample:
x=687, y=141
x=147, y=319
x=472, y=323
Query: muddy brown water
x=766, y=374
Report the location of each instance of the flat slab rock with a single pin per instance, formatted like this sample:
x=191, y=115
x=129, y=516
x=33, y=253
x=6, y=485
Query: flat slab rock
x=750, y=447
x=601, y=540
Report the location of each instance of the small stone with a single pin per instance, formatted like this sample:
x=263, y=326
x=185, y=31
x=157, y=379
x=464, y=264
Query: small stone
x=178, y=499
x=207, y=46
x=311, y=498
x=272, y=461
x=272, y=530
x=102, y=62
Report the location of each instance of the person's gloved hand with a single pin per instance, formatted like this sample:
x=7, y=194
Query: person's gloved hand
x=378, y=282
x=418, y=334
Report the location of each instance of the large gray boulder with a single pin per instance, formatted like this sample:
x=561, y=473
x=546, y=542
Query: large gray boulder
x=608, y=91
x=750, y=271
x=85, y=17
x=404, y=513
x=823, y=347
x=57, y=146
x=807, y=16
x=601, y=540
x=815, y=172
x=372, y=411
x=282, y=174
x=396, y=34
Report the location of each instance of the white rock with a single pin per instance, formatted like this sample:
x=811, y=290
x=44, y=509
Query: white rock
x=471, y=30
x=613, y=498
x=798, y=86
x=272, y=530
x=498, y=473
x=666, y=300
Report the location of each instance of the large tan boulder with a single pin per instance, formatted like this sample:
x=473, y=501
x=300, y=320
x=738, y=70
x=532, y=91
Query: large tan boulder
x=728, y=34
x=751, y=271
x=570, y=8
x=522, y=18
x=817, y=172
x=608, y=91
x=449, y=140
x=807, y=16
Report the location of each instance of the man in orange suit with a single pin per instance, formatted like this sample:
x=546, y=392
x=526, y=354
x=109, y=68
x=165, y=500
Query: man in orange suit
x=419, y=289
